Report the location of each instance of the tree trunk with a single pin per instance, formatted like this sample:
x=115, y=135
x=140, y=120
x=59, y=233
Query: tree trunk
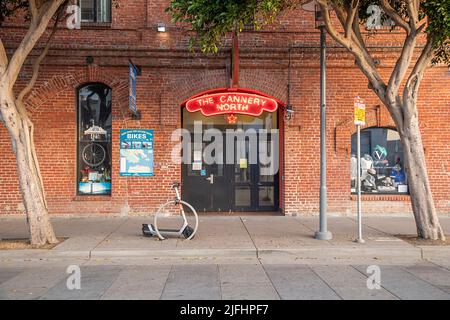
x=427, y=222
x=20, y=129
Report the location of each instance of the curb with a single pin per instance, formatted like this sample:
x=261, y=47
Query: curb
x=435, y=252
x=43, y=254
x=179, y=253
x=343, y=253
x=273, y=254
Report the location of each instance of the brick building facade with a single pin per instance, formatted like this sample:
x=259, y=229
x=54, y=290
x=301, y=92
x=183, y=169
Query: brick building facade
x=171, y=74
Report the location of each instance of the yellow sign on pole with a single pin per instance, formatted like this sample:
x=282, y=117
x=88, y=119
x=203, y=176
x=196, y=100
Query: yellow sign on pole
x=360, y=112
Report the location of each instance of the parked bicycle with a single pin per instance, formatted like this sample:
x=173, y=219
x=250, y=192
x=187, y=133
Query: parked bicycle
x=171, y=208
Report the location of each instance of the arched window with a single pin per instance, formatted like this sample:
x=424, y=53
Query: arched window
x=382, y=162
x=94, y=140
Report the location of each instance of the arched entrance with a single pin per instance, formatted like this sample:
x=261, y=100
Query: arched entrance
x=232, y=151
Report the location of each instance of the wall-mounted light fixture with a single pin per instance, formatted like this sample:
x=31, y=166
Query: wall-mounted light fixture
x=161, y=27
x=313, y=6
x=288, y=112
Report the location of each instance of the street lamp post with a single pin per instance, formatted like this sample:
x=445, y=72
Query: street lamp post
x=322, y=233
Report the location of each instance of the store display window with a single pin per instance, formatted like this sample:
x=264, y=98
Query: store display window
x=382, y=162
x=94, y=140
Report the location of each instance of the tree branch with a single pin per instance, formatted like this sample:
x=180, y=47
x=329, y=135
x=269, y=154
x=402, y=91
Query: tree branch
x=33, y=9
x=355, y=31
x=351, y=12
x=37, y=62
x=390, y=11
x=413, y=14
x=342, y=16
x=411, y=90
x=401, y=66
x=46, y=11
x=365, y=64
x=3, y=58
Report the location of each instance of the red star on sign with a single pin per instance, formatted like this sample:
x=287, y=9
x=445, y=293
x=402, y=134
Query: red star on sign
x=232, y=119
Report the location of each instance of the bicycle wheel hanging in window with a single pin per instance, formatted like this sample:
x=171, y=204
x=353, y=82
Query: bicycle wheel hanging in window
x=94, y=154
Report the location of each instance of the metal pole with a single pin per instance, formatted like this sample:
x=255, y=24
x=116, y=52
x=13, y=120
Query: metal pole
x=358, y=182
x=323, y=233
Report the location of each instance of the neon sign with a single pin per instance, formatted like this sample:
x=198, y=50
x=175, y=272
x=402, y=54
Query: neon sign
x=231, y=103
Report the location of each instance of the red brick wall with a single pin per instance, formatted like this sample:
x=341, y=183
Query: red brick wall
x=171, y=73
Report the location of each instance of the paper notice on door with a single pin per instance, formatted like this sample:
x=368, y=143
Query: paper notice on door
x=197, y=156
x=196, y=166
x=243, y=163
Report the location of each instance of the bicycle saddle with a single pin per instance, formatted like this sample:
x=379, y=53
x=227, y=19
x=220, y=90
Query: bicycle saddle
x=176, y=185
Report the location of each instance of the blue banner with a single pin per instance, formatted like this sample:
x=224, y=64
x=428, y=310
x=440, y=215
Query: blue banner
x=133, y=75
x=136, y=153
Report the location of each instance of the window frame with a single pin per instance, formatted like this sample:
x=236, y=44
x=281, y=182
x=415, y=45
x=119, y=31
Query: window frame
x=110, y=142
x=380, y=193
x=95, y=20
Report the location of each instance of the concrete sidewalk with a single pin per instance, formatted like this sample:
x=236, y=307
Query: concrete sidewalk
x=270, y=239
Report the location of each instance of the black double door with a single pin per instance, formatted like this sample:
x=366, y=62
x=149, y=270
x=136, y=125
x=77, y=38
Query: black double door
x=241, y=185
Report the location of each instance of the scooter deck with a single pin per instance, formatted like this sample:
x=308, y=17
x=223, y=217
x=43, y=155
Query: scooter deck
x=149, y=231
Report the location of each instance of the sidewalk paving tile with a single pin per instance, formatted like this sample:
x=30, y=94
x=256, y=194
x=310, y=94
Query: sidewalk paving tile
x=432, y=274
x=246, y=282
x=295, y=282
x=138, y=283
x=31, y=283
x=215, y=236
x=219, y=233
x=279, y=232
x=94, y=283
x=8, y=273
x=406, y=286
x=192, y=282
x=350, y=284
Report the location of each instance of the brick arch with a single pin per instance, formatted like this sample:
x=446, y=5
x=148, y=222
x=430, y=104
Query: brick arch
x=270, y=83
x=191, y=83
x=376, y=116
x=91, y=74
x=179, y=90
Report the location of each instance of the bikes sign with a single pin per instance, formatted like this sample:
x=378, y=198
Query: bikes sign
x=136, y=153
x=231, y=103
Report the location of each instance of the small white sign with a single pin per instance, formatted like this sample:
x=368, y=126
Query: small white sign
x=197, y=156
x=196, y=166
x=93, y=176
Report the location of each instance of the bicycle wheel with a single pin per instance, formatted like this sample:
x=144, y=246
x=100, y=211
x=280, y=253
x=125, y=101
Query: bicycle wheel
x=172, y=210
x=93, y=154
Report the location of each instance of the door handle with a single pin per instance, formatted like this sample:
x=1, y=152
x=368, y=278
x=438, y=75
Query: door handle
x=211, y=179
